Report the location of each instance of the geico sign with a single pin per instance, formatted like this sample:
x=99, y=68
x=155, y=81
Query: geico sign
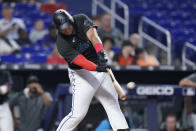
x=155, y=91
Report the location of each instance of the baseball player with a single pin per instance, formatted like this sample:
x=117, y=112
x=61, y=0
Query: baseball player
x=79, y=44
x=6, y=121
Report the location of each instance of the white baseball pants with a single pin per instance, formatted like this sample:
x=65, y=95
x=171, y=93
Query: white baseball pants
x=6, y=121
x=86, y=84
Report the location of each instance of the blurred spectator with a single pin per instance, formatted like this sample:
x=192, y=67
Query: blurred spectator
x=23, y=38
x=136, y=40
x=6, y=122
x=97, y=20
x=52, y=1
x=108, y=43
x=9, y=25
x=9, y=31
x=171, y=123
x=107, y=30
x=32, y=103
x=126, y=56
x=190, y=110
x=189, y=118
x=50, y=38
x=38, y=32
x=32, y=1
x=55, y=58
x=189, y=81
x=8, y=47
x=143, y=59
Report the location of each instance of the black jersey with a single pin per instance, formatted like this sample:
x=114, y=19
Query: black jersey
x=71, y=46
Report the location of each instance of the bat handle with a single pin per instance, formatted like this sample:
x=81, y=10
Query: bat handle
x=111, y=75
x=116, y=85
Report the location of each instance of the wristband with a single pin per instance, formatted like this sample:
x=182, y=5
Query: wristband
x=98, y=47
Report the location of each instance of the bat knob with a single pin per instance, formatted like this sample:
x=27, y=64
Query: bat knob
x=123, y=98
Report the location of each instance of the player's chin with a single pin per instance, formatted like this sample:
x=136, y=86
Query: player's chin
x=66, y=33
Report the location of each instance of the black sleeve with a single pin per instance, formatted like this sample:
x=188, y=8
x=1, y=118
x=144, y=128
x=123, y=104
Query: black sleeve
x=116, y=56
x=86, y=23
x=66, y=50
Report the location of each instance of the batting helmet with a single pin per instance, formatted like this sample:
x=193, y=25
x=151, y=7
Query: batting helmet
x=62, y=19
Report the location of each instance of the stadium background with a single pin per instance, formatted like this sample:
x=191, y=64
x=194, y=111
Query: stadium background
x=147, y=110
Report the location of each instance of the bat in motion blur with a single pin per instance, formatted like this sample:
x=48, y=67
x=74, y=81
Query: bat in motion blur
x=119, y=89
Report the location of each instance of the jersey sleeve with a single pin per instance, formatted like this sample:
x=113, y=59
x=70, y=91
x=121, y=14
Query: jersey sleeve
x=86, y=23
x=66, y=50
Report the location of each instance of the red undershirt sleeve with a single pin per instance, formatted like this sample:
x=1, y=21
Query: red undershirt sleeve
x=84, y=63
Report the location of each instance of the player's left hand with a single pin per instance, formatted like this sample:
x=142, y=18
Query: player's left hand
x=101, y=58
x=102, y=68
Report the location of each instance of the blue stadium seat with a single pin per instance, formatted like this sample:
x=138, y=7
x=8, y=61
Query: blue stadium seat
x=13, y=59
x=176, y=16
x=38, y=58
x=29, y=13
x=25, y=7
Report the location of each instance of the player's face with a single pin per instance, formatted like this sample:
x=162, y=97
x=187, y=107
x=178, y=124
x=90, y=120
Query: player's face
x=68, y=30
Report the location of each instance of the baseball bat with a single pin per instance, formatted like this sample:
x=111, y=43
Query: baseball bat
x=117, y=86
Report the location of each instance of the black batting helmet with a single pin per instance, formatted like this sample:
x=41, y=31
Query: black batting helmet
x=62, y=19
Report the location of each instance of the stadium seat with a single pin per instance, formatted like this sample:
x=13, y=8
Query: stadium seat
x=176, y=16
x=50, y=8
x=38, y=58
x=13, y=59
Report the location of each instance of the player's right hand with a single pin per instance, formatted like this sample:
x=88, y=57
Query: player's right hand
x=102, y=68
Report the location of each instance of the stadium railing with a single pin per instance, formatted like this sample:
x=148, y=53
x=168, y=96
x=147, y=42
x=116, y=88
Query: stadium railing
x=166, y=48
x=112, y=11
x=185, y=60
